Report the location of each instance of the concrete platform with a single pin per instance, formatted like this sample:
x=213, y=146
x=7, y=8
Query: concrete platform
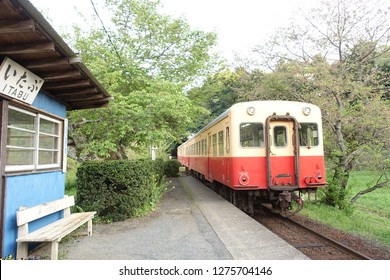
x=243, y=237
x=191, y=223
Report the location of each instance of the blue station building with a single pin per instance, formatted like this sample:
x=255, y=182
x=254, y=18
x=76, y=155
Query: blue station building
x=41, y=79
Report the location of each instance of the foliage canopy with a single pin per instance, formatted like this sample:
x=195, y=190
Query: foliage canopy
x=145, y=60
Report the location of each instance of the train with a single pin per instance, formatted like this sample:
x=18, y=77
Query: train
x=260, y=152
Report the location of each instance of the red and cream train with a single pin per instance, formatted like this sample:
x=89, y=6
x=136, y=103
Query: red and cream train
x=260, y=152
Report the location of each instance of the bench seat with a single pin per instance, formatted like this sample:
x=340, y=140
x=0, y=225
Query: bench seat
x=59, y=229
x=53, y=232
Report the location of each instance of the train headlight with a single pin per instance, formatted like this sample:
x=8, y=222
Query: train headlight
x=306, y=111
x=251, y=111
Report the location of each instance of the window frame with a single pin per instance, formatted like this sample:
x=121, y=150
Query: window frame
x=227, y=135
x=221, y=144
x=261, y=141
x=313, y=145
x=275, y=135
x=58, y=137
x=58, y=150
x=215, y=145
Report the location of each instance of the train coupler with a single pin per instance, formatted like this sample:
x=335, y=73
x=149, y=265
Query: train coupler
x=286, y=200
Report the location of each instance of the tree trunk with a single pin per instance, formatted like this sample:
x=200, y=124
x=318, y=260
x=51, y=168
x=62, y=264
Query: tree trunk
x=344, y=166
x=120, y=153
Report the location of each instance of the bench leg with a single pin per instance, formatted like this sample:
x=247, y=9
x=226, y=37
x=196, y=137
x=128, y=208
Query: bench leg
x=21, y=250
x=54, y=250
x=89, y=228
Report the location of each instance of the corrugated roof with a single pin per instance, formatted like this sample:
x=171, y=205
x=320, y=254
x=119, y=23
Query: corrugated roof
x=27, y=38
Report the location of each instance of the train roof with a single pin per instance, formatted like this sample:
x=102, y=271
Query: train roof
x=282, y=105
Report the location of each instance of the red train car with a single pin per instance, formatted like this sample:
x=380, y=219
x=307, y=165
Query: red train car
x=260, y=152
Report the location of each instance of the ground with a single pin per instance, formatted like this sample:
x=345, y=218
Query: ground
x=369, y=248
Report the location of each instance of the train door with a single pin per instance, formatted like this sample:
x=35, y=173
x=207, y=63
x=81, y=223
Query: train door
x=282, y=152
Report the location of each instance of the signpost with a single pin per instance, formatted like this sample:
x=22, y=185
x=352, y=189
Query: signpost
x=17, y=82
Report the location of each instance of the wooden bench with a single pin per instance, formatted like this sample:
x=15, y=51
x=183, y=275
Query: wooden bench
x=53, y=232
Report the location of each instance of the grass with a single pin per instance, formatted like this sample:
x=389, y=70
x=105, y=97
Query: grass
x=70, y=179
x=369, y=216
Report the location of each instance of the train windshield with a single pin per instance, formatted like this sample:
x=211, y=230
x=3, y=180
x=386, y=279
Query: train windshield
x=252, y=135
x=308, y=134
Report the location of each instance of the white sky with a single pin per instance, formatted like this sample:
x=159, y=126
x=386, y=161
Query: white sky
x=240, y=24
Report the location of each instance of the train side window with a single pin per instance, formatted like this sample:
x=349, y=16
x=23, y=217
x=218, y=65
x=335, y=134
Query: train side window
x=215, y=145
x=308, y=134
x=252, y=135
x=280, y=136
x=227, y=140
x=209, y=146
x=220, y=143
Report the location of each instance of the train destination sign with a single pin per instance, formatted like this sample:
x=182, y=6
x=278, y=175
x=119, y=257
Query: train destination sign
x=17, y=82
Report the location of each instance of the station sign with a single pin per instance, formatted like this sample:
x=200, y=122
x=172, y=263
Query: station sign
x=17, y=82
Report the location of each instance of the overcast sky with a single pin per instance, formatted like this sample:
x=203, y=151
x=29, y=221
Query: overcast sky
x=240, y=24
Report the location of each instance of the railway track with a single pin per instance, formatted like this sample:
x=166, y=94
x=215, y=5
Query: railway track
x=310, y=242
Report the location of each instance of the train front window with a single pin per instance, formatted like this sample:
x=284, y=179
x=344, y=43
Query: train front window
x=280, y=136
x=308, y=134
x=251, y=135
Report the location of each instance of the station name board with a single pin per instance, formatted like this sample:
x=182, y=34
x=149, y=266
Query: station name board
x=17, y=82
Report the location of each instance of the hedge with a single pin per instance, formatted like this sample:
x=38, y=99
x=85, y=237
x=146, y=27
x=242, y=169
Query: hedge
x=120, y=189
x=171, y=168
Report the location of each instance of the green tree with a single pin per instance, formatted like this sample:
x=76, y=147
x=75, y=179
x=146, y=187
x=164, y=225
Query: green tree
x=218, y=92
x=145, y=60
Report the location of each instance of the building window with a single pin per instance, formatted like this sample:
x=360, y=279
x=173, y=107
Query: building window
x=34, y=141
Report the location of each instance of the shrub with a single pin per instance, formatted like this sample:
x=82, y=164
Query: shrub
x=172, y=168
x=120, y=189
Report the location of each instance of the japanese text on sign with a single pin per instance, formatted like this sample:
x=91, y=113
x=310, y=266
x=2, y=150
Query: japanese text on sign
x=17, y=82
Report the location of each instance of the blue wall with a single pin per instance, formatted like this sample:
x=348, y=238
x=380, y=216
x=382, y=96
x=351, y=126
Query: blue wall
x=32, y=189
x=29, y=190
x=44, y=102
